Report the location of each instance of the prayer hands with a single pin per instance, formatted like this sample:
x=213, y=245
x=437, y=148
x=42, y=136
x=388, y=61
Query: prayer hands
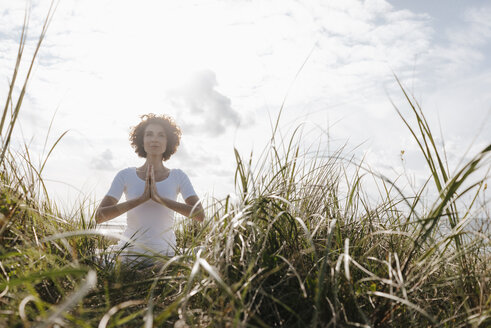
x=147, y=193
x=154, y=194
x=150, y=191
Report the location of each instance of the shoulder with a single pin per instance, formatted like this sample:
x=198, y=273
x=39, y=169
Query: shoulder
x=185, y=186
x=127, y=172
x=179, y=173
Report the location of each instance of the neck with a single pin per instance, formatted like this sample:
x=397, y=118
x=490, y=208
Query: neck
x=156, y=162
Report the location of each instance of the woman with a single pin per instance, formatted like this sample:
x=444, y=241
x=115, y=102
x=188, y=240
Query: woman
x=151, y=191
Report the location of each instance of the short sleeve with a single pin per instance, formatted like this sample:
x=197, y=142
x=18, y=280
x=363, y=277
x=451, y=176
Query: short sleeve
x=185, y=186
x=117, y=187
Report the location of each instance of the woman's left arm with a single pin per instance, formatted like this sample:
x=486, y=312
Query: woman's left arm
x=192, y=209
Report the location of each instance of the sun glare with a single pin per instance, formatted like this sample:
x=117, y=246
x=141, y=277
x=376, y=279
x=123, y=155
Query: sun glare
x=163, y=46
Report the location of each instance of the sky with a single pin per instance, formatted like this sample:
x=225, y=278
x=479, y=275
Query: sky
x=223, y=69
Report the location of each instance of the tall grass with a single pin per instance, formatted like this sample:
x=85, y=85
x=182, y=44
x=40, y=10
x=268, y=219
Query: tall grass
x=298, y=244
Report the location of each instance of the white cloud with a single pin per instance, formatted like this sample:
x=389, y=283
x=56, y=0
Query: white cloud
x=464, y=46
x=197, y=157
x=478, y=30
x=203, y=109
x=103, y=161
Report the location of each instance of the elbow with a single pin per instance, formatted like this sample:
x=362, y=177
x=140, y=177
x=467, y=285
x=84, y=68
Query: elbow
x=99, y=218
x=197, y=212
x=200, y=215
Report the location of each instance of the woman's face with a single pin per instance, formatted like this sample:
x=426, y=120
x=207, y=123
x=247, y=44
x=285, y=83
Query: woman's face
x=154, y=139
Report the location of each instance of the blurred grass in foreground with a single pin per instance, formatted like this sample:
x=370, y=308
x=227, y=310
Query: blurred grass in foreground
x=300, y=245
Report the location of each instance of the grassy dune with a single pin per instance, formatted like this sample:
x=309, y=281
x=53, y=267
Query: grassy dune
x=300, y=246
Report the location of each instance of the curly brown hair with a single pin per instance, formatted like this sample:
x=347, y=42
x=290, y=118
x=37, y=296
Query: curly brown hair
x=172, y=131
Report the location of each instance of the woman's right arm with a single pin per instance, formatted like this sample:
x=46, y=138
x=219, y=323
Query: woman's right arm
x=109, y=208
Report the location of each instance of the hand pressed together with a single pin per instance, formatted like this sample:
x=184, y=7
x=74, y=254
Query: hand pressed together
x=150, y=191
x=154, y=194
x=147, y=192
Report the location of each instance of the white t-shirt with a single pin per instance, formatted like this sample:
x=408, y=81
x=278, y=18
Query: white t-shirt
x=150, y=224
